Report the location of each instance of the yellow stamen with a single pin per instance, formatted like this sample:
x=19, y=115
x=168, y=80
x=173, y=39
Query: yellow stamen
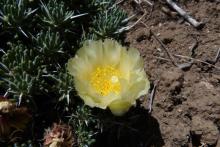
x=105, y=80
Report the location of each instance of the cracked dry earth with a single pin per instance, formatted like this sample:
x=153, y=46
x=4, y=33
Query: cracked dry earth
x=187, y=102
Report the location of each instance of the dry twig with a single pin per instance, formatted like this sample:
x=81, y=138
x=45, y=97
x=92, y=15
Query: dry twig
x=152, y=95
x=215, y=60
x=132, y=25
x=183, y=66
x=193, y=47
x=217, y=56
x=187, y=57
x=141, y=1
x=197, y=60
x=189, y=64
x=165, y=48
x=185, y=15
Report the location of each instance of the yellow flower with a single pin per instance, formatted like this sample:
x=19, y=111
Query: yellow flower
x=108, y=75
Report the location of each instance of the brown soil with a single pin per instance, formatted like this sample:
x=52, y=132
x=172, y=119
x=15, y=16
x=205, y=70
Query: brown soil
x=187, y=102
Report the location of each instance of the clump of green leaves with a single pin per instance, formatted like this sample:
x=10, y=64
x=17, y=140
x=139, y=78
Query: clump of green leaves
x=21, y=71
x=108, y=23
x=38, y=38
x=56, y=15
x=83, y=121
x=15, y=15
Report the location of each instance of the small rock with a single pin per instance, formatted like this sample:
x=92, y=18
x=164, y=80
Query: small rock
x=205, y=129
x=207, y=85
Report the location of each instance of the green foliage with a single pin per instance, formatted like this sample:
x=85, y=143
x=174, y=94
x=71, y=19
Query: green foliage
x=37, y=39
x=64, y=86
x=49, y=43
x=25, y=144
x=22, y=72
x=15, y=14
x=55, y=14
x=83, y=121
x=107, y=24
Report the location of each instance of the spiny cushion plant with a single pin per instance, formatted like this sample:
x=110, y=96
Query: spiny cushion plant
x=108, y=75
x=37, y=39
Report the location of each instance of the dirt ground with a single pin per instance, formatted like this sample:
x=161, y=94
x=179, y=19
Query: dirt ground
x=187, y=102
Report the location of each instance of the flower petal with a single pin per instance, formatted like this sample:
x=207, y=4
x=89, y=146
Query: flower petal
x=112, y=52
x=130, y=61
x=78, y=65
x=91, y=50
x=100, y=102
x=119, y=107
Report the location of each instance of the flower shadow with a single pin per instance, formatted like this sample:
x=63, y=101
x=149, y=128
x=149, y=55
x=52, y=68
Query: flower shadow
x=136, y=129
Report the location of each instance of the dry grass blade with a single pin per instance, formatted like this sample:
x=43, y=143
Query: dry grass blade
x=197, y=60
x=165, y=48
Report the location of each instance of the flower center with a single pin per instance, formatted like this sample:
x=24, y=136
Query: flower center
x=106, y=80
